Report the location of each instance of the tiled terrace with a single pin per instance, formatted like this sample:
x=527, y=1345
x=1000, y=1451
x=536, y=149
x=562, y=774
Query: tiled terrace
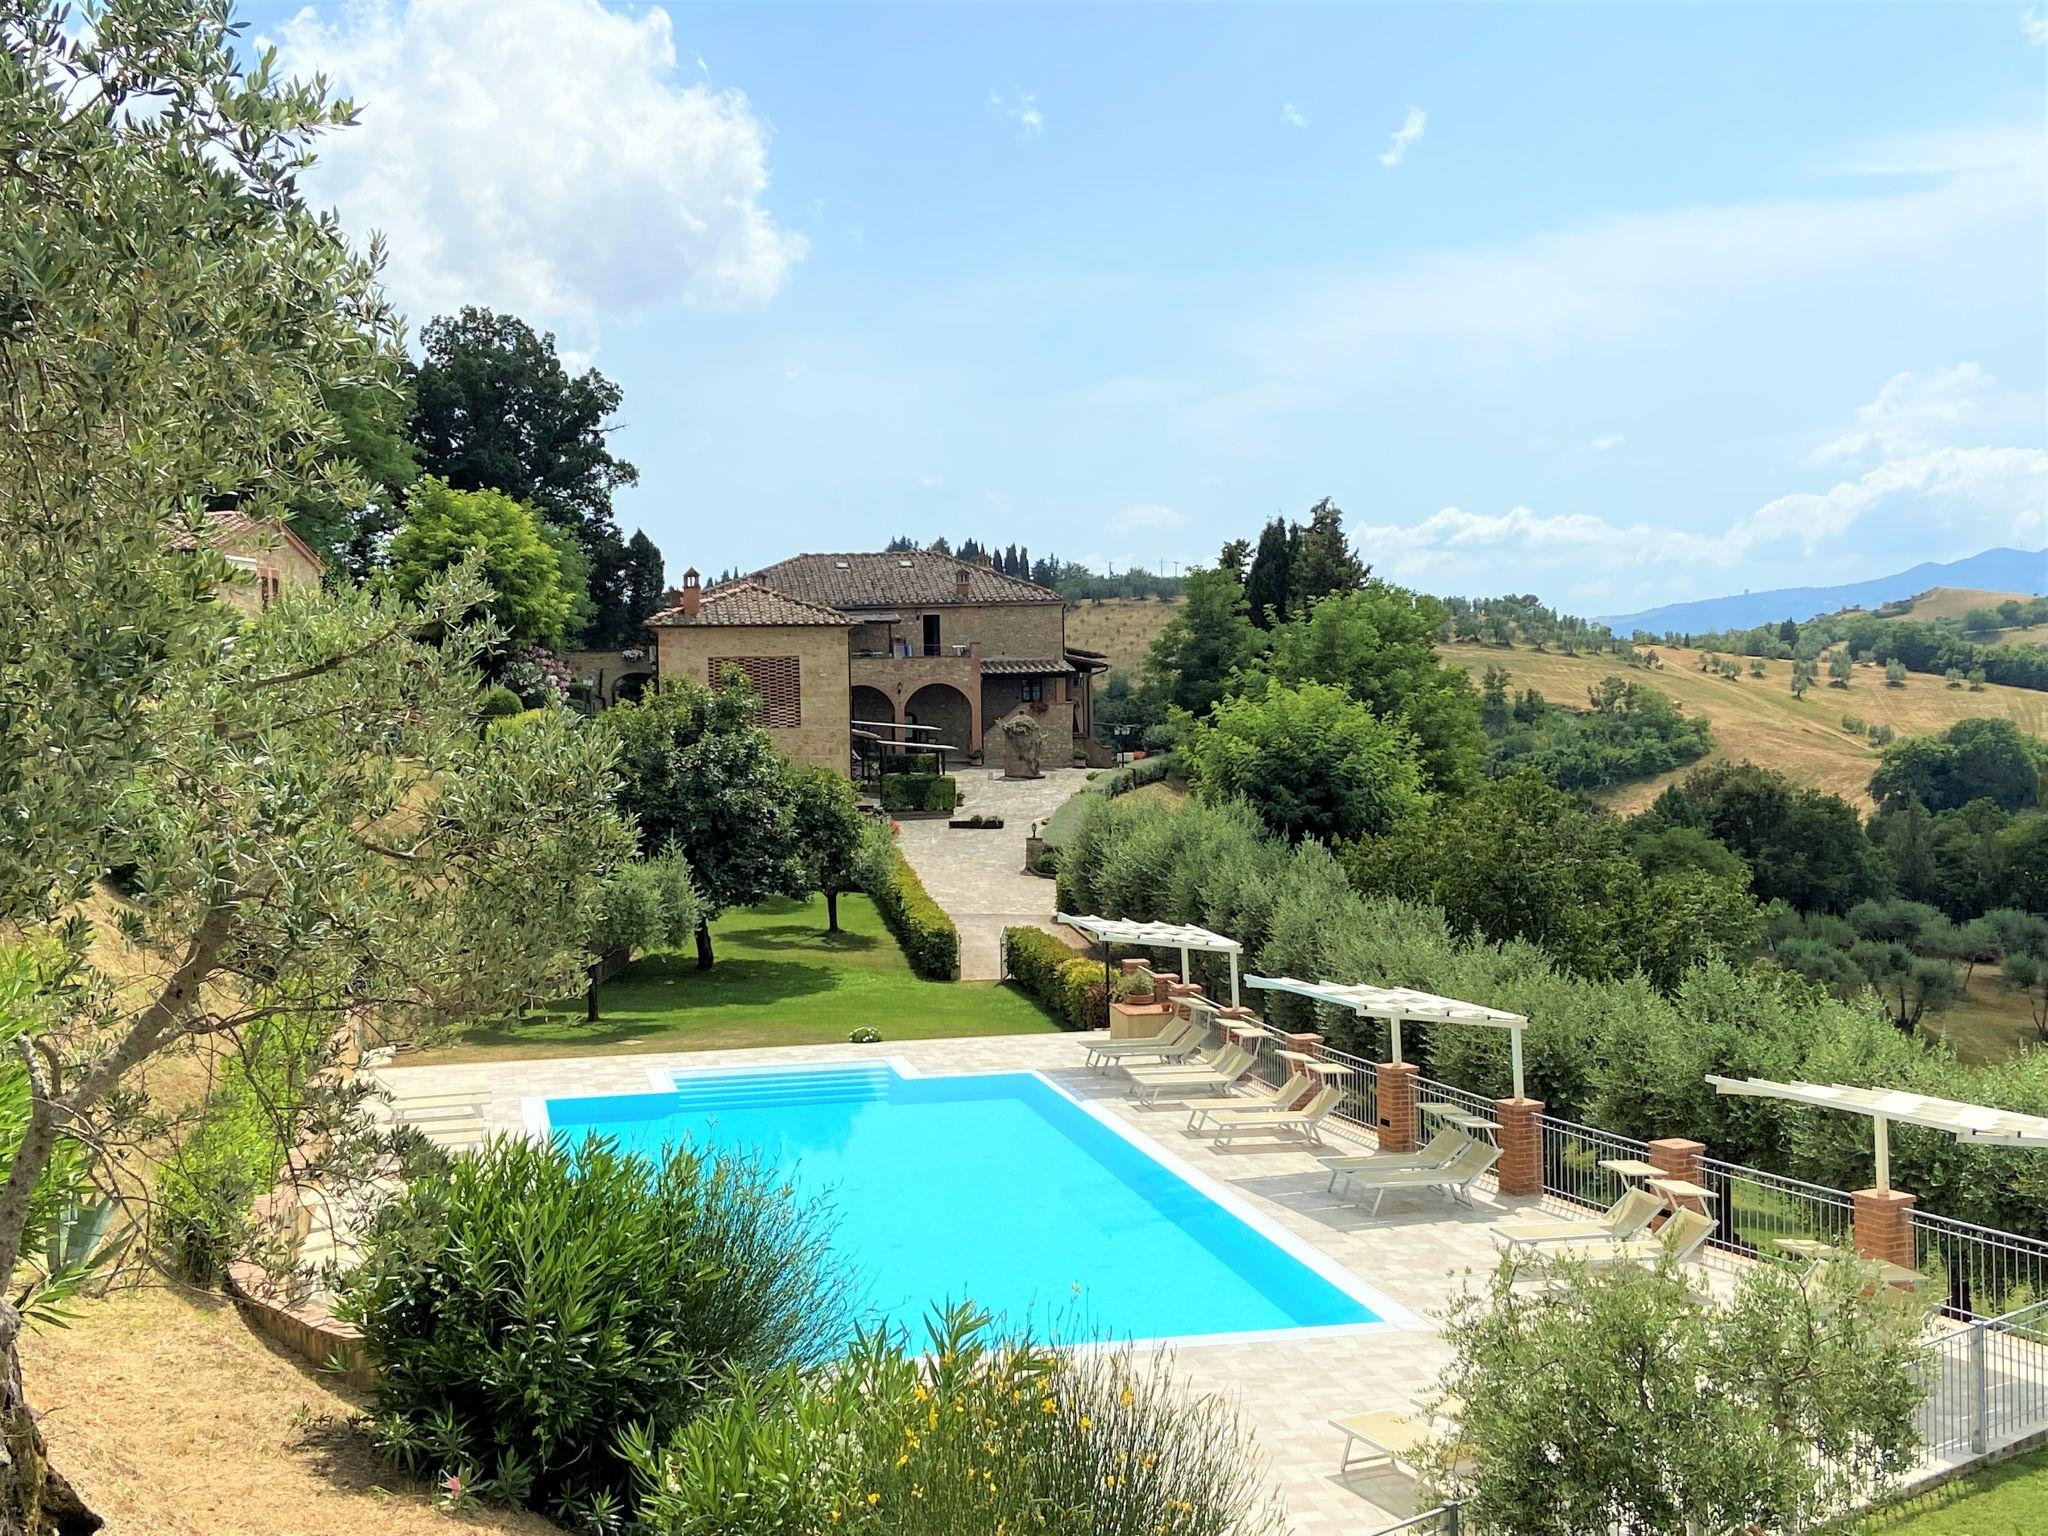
x=1414, y=1253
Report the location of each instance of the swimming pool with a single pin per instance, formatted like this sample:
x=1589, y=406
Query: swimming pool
x=1000, y=1188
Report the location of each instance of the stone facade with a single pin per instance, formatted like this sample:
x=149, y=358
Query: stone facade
x=818, y=732
x=269, y=559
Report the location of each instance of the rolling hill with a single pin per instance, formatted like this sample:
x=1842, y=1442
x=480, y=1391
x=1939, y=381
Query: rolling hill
x=1758, y=719
x=1121, y=628
x=1959, y=602
x=2007, y=570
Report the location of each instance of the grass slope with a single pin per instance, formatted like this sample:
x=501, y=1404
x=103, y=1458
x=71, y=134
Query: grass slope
x=1758, y=719
x=1960, y=602
x=1121, y=628
x=780, y=979
x=2010, y=1499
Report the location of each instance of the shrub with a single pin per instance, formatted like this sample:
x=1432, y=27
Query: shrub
x=919, y=792
x=528, y=1306
x=210, y=1180
x=930, y=941
x=1067, y=985
x=971, y=1435
x=498, y=701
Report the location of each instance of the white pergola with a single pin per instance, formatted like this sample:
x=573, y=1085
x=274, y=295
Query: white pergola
x=1395, y=1004
x=1177, y=936
x=1977, y=1123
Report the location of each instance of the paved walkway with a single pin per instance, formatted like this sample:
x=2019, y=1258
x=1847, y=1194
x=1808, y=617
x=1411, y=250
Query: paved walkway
x=978, y=877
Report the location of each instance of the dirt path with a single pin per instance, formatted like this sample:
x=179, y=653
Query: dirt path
x=978, y=877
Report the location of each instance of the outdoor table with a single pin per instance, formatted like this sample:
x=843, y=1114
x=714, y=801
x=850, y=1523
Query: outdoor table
x=1631, y=1168
x=1676, y=1191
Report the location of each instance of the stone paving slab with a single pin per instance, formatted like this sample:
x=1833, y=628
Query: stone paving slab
x=978, y=877
x=1415, y=1253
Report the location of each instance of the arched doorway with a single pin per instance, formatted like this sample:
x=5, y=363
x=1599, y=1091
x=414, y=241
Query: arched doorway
x=871, y=704
x=946, y=708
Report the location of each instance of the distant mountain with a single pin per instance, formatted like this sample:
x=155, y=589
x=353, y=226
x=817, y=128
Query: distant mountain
x=1995, y=570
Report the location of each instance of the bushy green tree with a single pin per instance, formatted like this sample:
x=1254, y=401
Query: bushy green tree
x=1269, y=580
x=838, y=848
x=1803, y=847
x=308, y=821
x=1198, y=653
x=1630, y=1401
x=1309, y=759
x=642, y=904
x=444, y=526
x=699, y=774
x=1323, y=562
x=1978, y=759
x=1378, y=644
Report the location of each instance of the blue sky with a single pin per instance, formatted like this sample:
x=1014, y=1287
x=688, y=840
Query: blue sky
x=1649, y=302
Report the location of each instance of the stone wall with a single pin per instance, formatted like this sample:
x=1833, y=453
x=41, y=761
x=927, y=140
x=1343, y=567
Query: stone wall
x=824, y=709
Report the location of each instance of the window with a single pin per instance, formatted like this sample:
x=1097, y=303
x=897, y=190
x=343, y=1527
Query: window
x=1034, y=690
x=775, y=679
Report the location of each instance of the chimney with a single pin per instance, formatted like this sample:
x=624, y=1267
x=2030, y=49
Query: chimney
x=692, y=595
x=960, y=584
x=986, y=561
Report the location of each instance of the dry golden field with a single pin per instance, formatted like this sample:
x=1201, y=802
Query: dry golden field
x=1958, y=602
x=1120, y=627
x=1758, y=719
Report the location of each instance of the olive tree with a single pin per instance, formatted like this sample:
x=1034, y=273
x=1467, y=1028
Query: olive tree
x=305, y=820
x=1631, y=1403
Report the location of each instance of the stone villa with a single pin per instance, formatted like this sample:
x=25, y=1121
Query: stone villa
x=856, y=647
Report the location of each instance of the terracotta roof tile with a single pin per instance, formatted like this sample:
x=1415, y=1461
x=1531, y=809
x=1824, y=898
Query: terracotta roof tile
x=912, y=578
x=750, y=603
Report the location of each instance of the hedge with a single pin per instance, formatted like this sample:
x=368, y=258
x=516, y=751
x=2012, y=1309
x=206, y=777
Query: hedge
x=1104, y=786
x=1615, y=1054
x=1067, y=985
x=919, y=792
x=930, y=941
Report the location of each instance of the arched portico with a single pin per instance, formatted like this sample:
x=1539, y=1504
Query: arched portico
x=956, y=717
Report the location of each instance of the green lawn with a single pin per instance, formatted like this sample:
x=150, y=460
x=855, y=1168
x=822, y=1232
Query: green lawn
x=780, y=979
x=2010, y=1499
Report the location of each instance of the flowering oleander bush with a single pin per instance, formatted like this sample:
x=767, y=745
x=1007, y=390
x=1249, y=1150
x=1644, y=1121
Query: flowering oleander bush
x=973, y=1435
x=527, y=1307
x=537, y=675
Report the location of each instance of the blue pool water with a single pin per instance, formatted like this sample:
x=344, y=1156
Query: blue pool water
x=996, y=1188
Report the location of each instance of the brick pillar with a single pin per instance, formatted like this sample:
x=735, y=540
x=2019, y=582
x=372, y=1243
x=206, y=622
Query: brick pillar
x=1884, y=1226
x=1398, y=1096
x=1677, y=1158
x=1520, y=1168
x=1307, y=1042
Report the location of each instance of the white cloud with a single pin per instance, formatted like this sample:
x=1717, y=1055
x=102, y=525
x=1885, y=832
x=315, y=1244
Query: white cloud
x=2035, y=25
x=1023, y=111
x=543, y=157
x=1292, y=115
x=1602, y=444
x=927, y=481
x=1409, y=133
x=1922, y=489
x=1911, y=414
x=1146, y=514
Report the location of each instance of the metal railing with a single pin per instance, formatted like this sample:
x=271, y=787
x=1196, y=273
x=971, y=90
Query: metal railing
x=1572, y=1155
x=1441, y=1521
x=1987, y=1382
x=1755, y=1211
x=1982, y=1272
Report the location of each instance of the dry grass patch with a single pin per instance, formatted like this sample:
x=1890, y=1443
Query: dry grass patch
x=1121, y=628
x=173, y=1419
x=1756, y=718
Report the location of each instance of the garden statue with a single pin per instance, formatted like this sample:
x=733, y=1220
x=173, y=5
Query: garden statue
x=1023, y=746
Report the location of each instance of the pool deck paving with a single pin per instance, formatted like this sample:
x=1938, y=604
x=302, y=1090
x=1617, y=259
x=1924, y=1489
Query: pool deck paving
x=978, y=876
x=1416, y=1253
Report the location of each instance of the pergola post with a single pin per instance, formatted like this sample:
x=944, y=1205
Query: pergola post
x=1398, y=1093
x=1234, y=1001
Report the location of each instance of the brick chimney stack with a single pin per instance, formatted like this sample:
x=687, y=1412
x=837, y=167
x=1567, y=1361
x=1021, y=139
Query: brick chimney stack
x=692, y=595
x=960, y=584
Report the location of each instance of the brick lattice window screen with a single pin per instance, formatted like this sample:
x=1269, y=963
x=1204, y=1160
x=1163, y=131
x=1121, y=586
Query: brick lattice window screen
x=775, y=679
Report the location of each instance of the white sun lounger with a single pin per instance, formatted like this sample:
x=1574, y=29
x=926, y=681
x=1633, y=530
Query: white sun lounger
x=1220, y=1059
x=1681, y=1237
x=1229, y=1067
x=1455, y=1178
x=1183, y=1037
x=1624, y=1219
x=1441, y=1148
x=1258, y=1096
x=1306, y=1120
